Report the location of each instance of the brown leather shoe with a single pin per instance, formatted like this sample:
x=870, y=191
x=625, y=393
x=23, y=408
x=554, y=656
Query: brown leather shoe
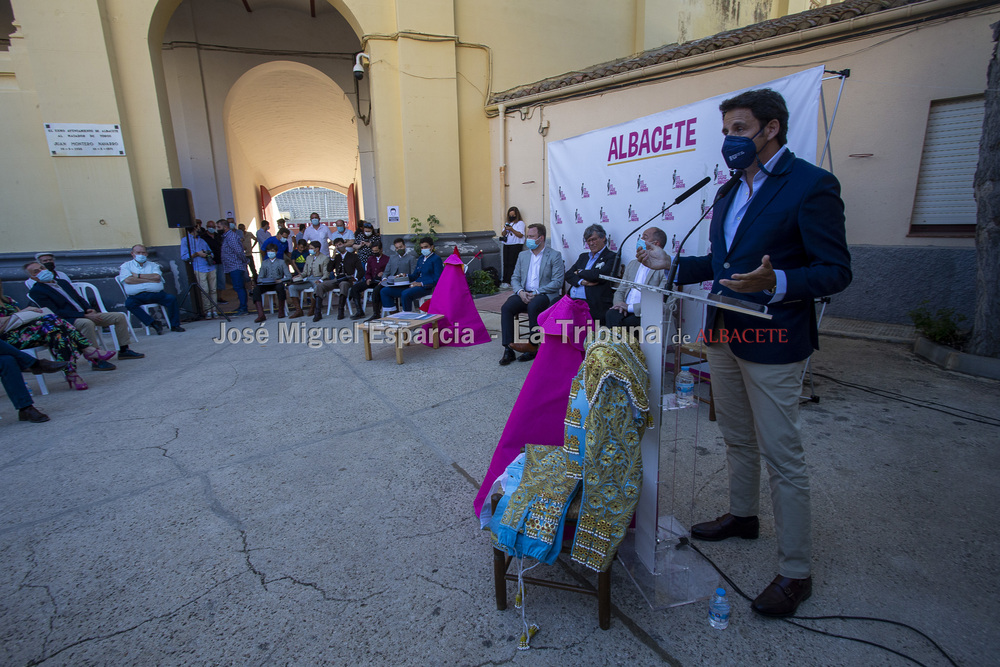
x=31, y=414
x=783, y=596
x=524, y=347
x=726, y=526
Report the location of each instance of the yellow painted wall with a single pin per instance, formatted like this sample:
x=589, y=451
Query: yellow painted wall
x=430, y=151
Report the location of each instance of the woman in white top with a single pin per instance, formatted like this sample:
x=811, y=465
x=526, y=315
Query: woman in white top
x=512, y=238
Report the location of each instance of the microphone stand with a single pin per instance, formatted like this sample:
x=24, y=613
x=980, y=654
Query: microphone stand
x=681, y=197
x=720, y=195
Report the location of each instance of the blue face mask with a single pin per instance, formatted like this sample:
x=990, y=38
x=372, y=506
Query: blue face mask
x=141, y=259
x=46, y=276
x=426, y=252
x=640, y=245
x=272, y=255
x=531, y=243
x=739, y=152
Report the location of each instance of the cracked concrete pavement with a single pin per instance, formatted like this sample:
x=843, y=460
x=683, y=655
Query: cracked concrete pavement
x=249, y=504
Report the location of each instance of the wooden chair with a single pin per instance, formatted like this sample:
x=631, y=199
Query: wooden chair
x=697, y=350
x=501, y=563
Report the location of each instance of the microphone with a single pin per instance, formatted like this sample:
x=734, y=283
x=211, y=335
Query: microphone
x=721, y=194
x=691, y=190
x=681, y=197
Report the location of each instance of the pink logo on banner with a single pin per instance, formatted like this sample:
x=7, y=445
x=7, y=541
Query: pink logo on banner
x=603, y=216
x=640, y=185
x=565, y=245
x=667, y=215
x=611, y=188
x=707, y=285
x=673, y=244
x=579, y=218
x=584, y=192
x=558, y=218
x=678, y=181
x=720, y=175
x=633, y=216
x=704, y=207
x=562, y=195
x=612, y=244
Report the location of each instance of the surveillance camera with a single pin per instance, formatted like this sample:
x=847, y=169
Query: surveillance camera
x=359, y=69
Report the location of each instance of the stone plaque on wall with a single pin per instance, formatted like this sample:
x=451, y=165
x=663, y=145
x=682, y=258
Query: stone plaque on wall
x=84, y=139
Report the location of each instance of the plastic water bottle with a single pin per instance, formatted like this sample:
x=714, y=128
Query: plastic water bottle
x=718, y=610
x=684, y=387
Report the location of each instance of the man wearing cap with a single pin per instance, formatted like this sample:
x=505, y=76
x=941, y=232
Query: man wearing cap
x=47, y=260
x=142, y=281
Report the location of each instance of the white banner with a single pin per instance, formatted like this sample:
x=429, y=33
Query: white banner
x=621, y=175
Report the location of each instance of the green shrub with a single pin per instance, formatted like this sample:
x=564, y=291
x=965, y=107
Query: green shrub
x=481, y=282
x=417, y=228
x=941, y=327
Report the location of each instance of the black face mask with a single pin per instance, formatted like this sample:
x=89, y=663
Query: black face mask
x=51, y=266
x=400, y=252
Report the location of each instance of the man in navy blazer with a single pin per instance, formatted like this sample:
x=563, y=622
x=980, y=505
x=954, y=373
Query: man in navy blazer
x=537, y=278
x=776, y=239
x=584, y=276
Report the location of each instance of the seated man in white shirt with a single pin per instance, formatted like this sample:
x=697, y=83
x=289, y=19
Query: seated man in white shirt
x=142, y=281
x=48, y=261
x=625, y=309
x=538, y=277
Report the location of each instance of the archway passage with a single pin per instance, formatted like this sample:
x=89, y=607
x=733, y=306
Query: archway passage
x=263, y=98
x=287, y=123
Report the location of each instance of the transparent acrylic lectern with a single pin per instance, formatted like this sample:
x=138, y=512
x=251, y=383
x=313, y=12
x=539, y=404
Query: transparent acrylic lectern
x=666, y=571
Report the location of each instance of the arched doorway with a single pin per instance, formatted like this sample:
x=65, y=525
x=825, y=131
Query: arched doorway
x=263, y=95
x=307, y=132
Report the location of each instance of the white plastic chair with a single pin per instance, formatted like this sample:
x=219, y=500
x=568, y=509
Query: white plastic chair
x=148, y=308
x=85, y=290
x=33, y=351
x=269, y=300
x=368, y=296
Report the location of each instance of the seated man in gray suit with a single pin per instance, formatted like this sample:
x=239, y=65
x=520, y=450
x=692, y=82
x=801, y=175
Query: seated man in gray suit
x=625, y=309
x=538, y=277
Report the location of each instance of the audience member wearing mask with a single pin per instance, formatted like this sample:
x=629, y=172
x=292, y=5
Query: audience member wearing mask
x=319, y=232
x=142, y=281
x=272, y=277
x=61, y=298
x=234, y=262
x=374, y=270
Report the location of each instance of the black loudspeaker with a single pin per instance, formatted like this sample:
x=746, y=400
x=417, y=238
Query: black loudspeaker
x=179, y=207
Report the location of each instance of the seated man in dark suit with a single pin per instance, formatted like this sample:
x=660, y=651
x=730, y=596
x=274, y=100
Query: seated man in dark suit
x=584, y=276
x=625, y=311
x=537, y=278
x=345, y=270
x=61, y=298
x=12, y=363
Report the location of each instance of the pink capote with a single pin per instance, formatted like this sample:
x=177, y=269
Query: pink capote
x=540, y=409
x=452, y=298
